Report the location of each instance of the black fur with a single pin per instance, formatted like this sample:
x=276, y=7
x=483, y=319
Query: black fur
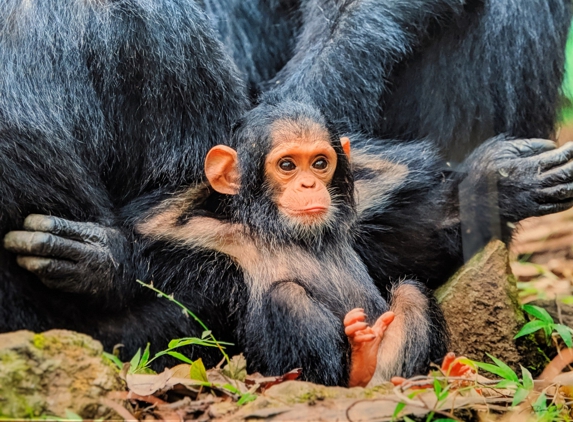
x=300, y=281
x=108, y=108
x=102, y=105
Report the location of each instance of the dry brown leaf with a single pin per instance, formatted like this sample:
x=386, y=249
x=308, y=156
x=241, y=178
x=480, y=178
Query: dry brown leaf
x=525, y=271
x=267, y=382
x=149, y=384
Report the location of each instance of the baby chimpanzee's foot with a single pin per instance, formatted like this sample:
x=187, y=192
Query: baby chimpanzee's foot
x=452, y=366
x=364, y=341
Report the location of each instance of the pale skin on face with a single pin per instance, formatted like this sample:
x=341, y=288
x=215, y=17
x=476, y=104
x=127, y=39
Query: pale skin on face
x=300, y=173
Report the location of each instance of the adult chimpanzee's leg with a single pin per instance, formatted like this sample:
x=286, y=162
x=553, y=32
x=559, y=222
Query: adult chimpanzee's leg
x=259, y=35
x=347, y=50
x=456, y=72
x=103, y=107
x=487, y=73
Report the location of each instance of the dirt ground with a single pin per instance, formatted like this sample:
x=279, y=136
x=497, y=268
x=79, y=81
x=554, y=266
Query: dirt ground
x=542, y=251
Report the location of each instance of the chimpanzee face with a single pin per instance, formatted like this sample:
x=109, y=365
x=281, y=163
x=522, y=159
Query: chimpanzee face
x=299, y=169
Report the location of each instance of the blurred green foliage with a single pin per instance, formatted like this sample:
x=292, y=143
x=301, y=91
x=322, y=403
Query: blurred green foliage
x=567, y=110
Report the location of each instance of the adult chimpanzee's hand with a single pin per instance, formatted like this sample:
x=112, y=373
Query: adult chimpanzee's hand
x=534, y=177
x=70, y=256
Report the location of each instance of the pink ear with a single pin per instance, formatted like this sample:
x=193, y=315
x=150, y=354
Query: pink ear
x=345, y=142
x=221, y=169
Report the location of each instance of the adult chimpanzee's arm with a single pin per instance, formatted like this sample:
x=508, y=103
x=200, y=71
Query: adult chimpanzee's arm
x=141, y=92
x=75, y=257
x=347, y=50
x=418, y=217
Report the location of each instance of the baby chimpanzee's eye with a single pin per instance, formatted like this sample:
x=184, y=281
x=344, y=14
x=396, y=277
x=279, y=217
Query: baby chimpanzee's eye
x=320, y=164
x=287, y=165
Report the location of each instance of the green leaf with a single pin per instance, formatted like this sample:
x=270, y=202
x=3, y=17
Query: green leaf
x=134, y=362
x=520, y=395
x=539, y=313
x=565, y=333
x=246, y=398
x=144, y=357
x=114, y=359
x=231, y=388
x=490, y=368
x=206, y=334
x=407, y=419
x=72, y=416
x=186, y=342
x=506, y=384
x=182, y=358
x=507, y=372
x=502, y=370
x=527, y=379
x=567, y=300
x=439, y=391
x=398, y=409
x=444, y=420
x=173, y=343
x=437, y=387
x=548, y=329
x=531, y=327
x=198, y=371
x=540, y=405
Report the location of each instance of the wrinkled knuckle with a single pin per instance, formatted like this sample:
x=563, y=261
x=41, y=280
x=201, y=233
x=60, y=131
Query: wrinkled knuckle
x=41, y=242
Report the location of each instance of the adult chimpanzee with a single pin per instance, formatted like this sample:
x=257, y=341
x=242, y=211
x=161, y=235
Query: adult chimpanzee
x=456, y=72
x=108, y=108
x=100, y=104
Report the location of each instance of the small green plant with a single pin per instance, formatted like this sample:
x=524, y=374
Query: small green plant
x=441, y=393
x=139, y=363
x=544, y=322
x=510, y=380
x=186, y=311
x=545, y=413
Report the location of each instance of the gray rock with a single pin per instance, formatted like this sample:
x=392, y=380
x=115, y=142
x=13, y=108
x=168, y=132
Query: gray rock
x=483, y=313
x=54, y=373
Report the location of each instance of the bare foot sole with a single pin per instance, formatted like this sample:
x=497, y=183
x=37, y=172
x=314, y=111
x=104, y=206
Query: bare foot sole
x=451, y=367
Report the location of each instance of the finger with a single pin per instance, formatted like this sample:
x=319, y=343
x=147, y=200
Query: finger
x=558, y=193
x=63, y=227
x=45, y=267
x=545, y=209
x=458, y=369
x=448, y=361
x=530, y=147
x=44, y=244
x=397, y=381
x=354, y=315
x=383, y=322
x=353, y=328
x=363, y=338
x=557, y=157
x=561, y=174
